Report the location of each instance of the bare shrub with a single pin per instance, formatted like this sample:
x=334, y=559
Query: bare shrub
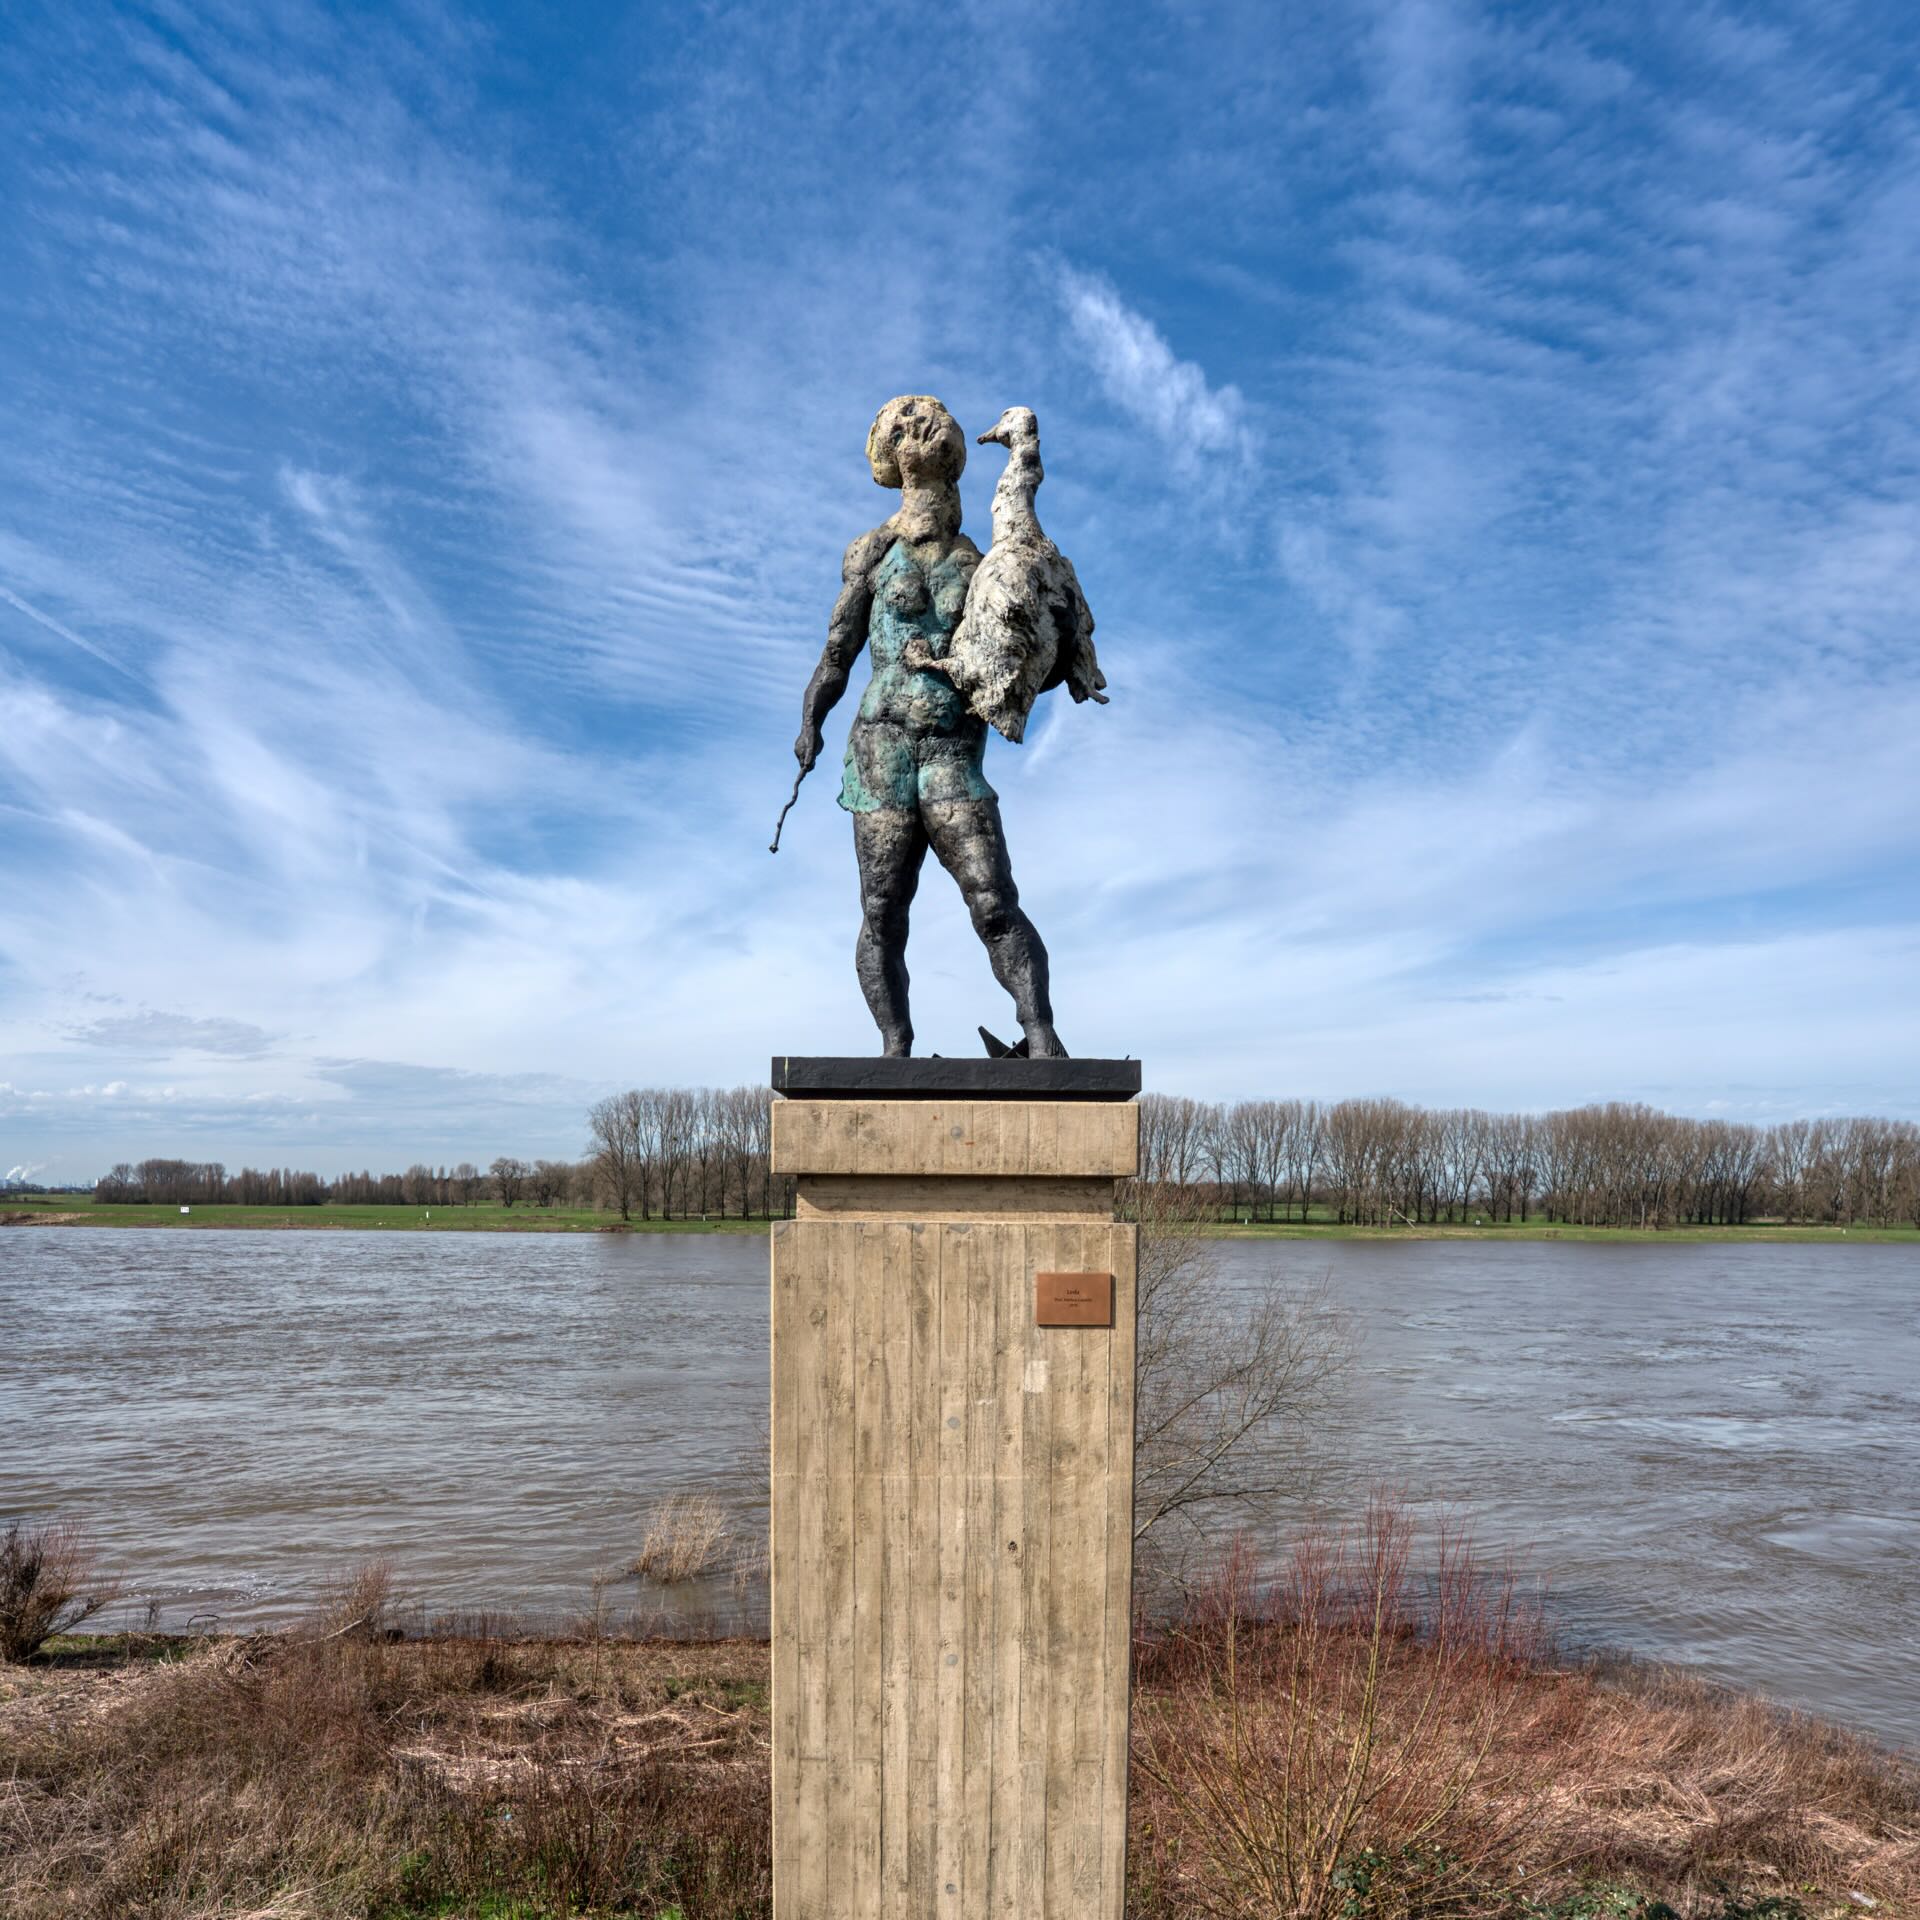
x=752, y=1564
x=1346, y=1716
x=49, y=1583
x=597, y=1622
x=687, y=1535
x=1234, y=1391
x=356, y=1605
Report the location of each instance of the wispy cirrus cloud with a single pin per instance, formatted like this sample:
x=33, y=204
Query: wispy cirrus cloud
x=151, y=1031
x=1146, y=379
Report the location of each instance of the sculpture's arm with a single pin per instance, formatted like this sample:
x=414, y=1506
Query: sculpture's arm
x=846, y=635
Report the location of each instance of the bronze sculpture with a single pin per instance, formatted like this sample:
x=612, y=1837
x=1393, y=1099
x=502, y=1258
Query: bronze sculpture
x=946, y=660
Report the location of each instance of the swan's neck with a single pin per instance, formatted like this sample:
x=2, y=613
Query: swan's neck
x=1013, y=515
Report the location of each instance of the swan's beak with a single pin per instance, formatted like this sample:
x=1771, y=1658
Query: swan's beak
x=996, y=433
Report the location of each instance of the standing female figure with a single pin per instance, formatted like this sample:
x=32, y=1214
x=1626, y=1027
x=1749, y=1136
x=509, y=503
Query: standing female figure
x=913, y=777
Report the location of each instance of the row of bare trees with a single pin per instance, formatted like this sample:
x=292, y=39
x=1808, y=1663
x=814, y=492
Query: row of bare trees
x=1377, y=1162
x=680, y=1152
x=196, y=1182
x=685, y=1150
x=654, y=1153
x=191, y=1182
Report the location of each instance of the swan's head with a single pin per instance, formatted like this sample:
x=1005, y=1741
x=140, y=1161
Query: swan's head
x=915, y=441
x=1015, y=428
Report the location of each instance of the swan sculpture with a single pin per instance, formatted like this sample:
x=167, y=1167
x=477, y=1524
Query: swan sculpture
x=1026, y=626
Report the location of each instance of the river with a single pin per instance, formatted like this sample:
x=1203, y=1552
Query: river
x=1709, y=1452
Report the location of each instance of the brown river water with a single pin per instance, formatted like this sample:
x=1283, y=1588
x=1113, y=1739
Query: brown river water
x=1709, y=1453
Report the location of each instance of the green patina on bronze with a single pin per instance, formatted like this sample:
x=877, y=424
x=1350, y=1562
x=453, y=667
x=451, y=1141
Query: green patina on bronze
x=914, y=739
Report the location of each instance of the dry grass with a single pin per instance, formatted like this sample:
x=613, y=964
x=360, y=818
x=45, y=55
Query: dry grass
x=320, y=1775
x=1357, y=1738
x=687, y=1535
x=1654, y=1775
x=327, y=1773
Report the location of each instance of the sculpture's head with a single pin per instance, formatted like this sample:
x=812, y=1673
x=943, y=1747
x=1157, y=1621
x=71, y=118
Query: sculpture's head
x=1015, y=428
x=915, y=441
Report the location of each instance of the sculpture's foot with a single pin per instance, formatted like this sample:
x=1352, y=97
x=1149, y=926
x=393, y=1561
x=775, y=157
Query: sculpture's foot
x=1042, y=1042
x=896, y=1046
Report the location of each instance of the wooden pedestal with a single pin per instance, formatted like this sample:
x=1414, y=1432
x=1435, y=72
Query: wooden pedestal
x=952, y=1510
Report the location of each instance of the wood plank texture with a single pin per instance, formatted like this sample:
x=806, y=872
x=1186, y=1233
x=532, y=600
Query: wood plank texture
x=969, y=1197
x=952, y=1558
x=1024, y=1138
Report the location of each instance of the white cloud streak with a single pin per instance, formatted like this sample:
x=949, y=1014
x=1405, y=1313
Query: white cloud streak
x=1145, y=378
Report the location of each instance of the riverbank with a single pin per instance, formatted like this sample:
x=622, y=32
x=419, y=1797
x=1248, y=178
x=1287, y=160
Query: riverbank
x=80, y=1210
x=338, y=1774
x=1764, y=1232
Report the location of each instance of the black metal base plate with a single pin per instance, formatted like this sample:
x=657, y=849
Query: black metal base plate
x=874, y=1077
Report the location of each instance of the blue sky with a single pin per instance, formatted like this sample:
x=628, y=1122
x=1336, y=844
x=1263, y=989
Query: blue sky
x=1489, y=439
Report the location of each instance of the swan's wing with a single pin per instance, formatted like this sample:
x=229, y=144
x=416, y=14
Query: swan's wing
x=1075, y=666
x=1005, y=645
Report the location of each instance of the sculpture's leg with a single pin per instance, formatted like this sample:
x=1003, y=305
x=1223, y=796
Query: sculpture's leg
x=972, y=845
x=890, y=844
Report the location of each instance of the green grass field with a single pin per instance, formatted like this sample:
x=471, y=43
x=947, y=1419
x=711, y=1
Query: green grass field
x=79, y=1209
x=68, y=1209
x=1321, y=1228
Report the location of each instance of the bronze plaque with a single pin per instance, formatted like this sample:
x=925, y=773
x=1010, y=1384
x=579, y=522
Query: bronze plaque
x=1073, y=1299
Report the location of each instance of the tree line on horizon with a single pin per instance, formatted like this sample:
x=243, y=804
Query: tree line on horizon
x=1377, y=1162
x=687, y=1152
x=660, y=1152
